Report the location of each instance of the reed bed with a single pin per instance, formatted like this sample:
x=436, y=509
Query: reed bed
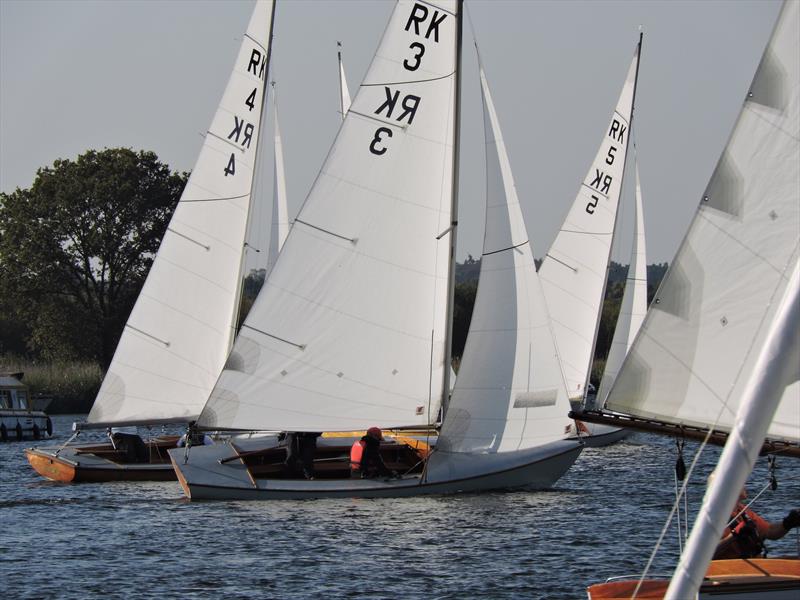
x=72, y=384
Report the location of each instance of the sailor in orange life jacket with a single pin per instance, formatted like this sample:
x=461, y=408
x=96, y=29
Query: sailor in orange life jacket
x=748, y=530
x=365, y=456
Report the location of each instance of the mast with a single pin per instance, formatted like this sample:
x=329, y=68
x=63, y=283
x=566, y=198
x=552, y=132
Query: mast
x=239, y=280
x=451, y=280
x=608, y=263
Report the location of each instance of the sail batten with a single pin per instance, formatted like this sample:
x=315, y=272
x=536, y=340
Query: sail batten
x=700, y=340
x=190, y=297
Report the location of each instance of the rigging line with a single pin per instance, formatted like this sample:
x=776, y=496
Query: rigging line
x=671, y=515
x=561, y=262
x=152, y=337
x=595, y=190
x=678, y=520
x=186, y=237
x=619, y=114
x=226, y=140
x=218, y=199
x=596, y=233
x=439, y=78
x=749, y=504
x=341, y=237
x=385, y=122
x=274, y=337
x=504, y=249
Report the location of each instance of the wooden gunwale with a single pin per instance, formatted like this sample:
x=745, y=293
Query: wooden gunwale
x=737, y=576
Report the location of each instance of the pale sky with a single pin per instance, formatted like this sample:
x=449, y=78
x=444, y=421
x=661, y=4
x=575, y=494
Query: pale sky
x=148, y=74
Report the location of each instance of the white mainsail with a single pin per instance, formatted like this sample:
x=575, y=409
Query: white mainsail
x=700, y=340
x=344, y=92
x=349, y=329
x=510, y=393
x=280, y=216
x=180, y=331
x=634, y=300
x=575, y=268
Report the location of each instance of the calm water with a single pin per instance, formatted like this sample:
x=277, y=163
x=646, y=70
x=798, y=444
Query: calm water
x=143, y=540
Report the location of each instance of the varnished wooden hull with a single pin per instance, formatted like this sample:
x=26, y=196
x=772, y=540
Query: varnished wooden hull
x=74, y=465
x=762, y=578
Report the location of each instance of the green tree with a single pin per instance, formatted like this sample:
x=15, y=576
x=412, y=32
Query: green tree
x=76, y=247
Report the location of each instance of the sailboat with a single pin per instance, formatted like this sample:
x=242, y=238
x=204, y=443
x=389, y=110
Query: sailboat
x=180, y=331
x=352, y=327
x=631, y=315
x=575, y=268
x=718, y=350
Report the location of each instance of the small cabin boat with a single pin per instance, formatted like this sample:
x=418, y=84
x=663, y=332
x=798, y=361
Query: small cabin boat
x=18, y=419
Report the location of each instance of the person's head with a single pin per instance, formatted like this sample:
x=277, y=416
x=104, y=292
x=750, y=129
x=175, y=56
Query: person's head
x=375, y=432
x=742, y=493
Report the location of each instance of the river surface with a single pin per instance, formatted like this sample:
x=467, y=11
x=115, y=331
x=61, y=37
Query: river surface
x=144, y=540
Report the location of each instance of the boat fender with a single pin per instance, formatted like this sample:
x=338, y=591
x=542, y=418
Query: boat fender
x=3, y=432
x=19, y=431
x=356, y=453
x=49, y=427
x=37, y=433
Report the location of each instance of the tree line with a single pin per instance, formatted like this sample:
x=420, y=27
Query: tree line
x=76, y=246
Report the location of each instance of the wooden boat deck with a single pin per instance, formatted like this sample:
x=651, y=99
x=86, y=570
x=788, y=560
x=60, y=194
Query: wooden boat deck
x=739, y=578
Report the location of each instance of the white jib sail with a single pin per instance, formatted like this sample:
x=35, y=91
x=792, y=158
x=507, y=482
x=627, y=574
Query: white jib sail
x=349, y=328
x=699, y=342
x=344, y=92
x=180, y=330
x=280, y=216
x=776, y=368
x=574, y=270
x=510, y=392
x=634, y=301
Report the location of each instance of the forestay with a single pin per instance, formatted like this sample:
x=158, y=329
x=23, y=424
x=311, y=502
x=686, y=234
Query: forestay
x=348, y=331
x=574, y=270
x=181, y=329
x=699, y=343
x=510, y=393
x=634, y=300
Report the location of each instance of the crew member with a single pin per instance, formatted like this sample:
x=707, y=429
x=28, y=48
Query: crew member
x=365, y=456
x=748, y=530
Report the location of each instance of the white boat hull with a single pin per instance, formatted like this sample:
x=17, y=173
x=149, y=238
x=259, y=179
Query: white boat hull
x=17, y=425
x=204, y=477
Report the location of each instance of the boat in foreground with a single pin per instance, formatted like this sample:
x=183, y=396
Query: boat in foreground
x=738, y=579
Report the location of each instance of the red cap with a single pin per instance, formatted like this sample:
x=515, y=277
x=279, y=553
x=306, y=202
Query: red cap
x=375, y=432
